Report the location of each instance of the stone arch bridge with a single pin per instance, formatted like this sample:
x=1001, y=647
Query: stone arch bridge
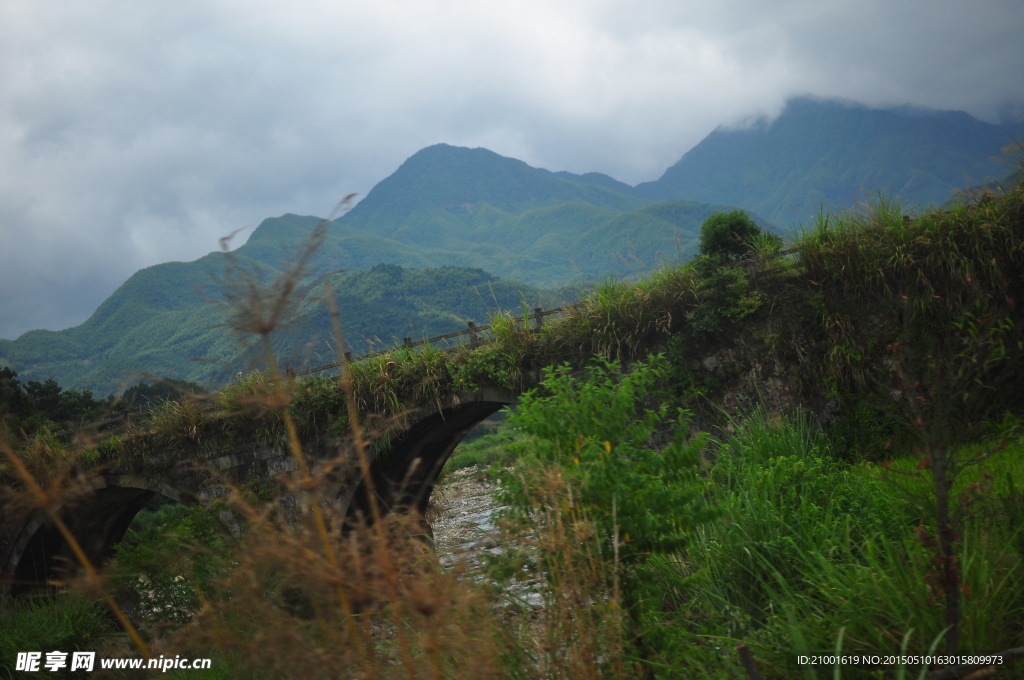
x=99, y=505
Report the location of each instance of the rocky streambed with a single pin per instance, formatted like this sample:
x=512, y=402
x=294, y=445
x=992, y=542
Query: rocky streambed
x=465, y=531
x=463, y=520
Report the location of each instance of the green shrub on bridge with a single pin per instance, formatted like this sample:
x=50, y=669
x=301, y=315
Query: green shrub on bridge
x=727, y=237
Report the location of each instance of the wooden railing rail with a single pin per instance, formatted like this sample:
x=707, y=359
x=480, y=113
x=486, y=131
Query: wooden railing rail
x=474, y=332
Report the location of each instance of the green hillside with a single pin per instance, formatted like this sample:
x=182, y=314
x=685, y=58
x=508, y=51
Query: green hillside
x=473, y=207
x=164, y=321
x=994, y=188
x=831, y=154
x=413, y=256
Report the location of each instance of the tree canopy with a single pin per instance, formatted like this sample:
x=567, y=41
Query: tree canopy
x=27, y=406
x=727, y=236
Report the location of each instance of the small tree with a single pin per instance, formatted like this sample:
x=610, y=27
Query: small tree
x=940, y=294
x=952, y=370
x=727, y=236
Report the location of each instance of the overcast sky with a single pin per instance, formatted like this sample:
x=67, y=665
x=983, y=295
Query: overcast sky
x=133, y=133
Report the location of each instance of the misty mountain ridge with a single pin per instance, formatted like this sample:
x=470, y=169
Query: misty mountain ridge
x=451, y=215
x=830, y=154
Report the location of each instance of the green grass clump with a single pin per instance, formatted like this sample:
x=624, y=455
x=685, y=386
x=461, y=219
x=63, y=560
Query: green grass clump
x=67, y=621
x=492, y=450
x=809, y=548
x=883, y=277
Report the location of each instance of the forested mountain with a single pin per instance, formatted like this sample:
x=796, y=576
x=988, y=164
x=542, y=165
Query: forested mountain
x=832, y=154
x=448, y=214
x=472, y=207
x=443, y=218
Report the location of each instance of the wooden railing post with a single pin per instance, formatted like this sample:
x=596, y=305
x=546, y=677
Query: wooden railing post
x=407, y=342
x=538, y=315
x=474, y=340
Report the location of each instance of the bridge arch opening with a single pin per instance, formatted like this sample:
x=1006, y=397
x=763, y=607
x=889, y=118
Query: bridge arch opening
x=405, y=474
x=98, y=517
x=473, y=448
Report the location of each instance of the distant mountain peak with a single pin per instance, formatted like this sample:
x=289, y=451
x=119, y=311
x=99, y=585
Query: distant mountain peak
x=830, y=153
x=449, y=153
x=459, y=179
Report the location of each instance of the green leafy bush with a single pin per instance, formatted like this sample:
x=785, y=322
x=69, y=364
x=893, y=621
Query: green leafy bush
x=594, y=426
x=728, y=298
x=726, y=237
x=609, y=508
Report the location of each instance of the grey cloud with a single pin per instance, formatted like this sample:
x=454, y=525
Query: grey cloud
x=134, y=133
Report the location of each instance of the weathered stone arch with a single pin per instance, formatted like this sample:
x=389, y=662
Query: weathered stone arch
x=405, y=474
x=97, y=510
